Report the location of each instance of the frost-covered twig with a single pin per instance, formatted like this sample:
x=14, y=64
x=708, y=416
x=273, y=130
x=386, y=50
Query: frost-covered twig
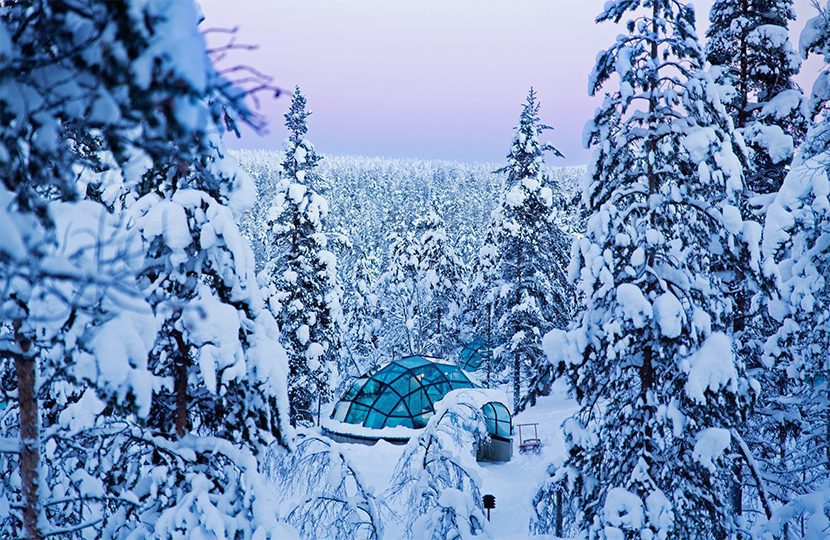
x=754, y=470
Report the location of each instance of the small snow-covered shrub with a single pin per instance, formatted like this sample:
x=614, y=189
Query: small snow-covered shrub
x=435, y=479
x=325, y=495
x=196, y=487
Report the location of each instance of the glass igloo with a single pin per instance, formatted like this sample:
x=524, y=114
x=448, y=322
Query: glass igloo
x=400, y=393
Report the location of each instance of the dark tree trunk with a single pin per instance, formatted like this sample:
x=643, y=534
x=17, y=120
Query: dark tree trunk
x=180, y=384
x=743, y=84
x=517, y=364
x=29, y=436
x=489, y=343
x=517, y=387
x=737, y=488
x=647, y=368
x=737, y=491
x=558, y=518
x=319, y=402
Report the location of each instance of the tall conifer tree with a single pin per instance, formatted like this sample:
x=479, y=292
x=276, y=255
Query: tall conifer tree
x=533, y=292
x=750, y=47
x=305, y=294
x=659, y=387
x=796, y=449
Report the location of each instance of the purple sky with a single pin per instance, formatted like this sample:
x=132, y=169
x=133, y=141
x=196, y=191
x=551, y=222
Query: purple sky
x=428, y=78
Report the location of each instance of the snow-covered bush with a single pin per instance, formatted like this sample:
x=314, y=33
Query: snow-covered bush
x=435, y=483
x=204, y=487
x=323, y=495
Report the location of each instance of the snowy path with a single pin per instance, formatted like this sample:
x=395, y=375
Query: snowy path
x=513, y=483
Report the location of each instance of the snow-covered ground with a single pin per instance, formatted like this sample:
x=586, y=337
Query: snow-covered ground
x=513, y=483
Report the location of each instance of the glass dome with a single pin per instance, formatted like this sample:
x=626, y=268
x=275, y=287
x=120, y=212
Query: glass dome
x=473, y=355
x=400, y=393
x=497, y=418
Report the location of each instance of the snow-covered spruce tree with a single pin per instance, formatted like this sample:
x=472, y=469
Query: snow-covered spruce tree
x=797, y=258
x=400, y=297
x=479, y=305
x=305, y=294
x=534, y=295
x=217, y=341
x=434, y=482
x=440, y=283
x=216, y=370
x=74, y=76
x=422, y=289
x=36, y=165
x=660, y=390
x=363, y=317
x=79, y=325
x=750, y=49
x=219, y=369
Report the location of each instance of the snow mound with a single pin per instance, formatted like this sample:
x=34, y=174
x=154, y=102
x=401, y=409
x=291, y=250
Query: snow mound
x=623, y=510
x=710, y=445
x=669, y=315
x=634, y=304
x=712, y=367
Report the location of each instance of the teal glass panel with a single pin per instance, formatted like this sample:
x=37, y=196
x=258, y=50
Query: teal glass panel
x=497, y=418
x=386, y=402
x=370, y=392
x=392, y=372
x=438, y=391
x=412, y=362
x=340, y=410
x=500, y=410
x=418, y=403
x=401, y=410
x=354, y=389
x=396, y=421
x=419, y=422
x=456, y=375
x=473, y=355
x=375, y=419
x=357, y=414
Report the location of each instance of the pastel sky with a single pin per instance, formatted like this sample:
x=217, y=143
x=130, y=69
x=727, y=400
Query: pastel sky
x=429, y=78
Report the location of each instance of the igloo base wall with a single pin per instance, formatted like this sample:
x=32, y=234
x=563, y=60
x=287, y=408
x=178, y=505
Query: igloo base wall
x=495, y=450
x=357, y=439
